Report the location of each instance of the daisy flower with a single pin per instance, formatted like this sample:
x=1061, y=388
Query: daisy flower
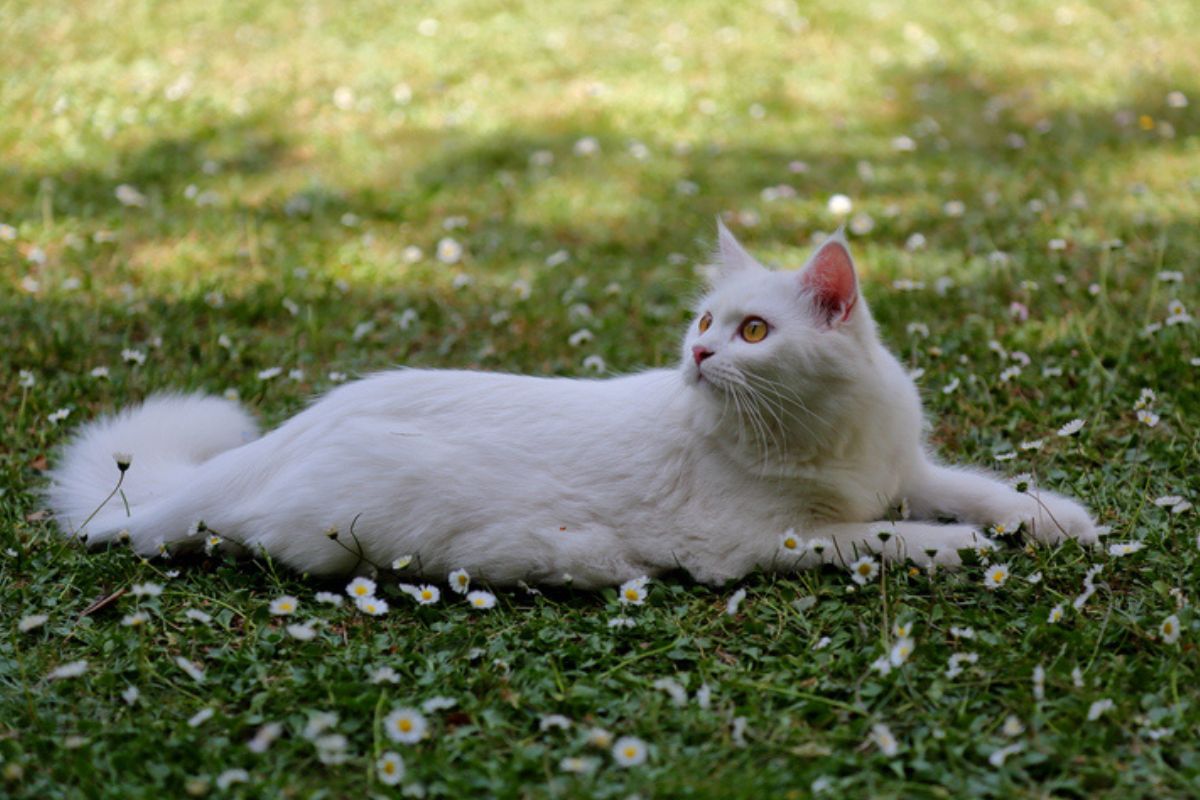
x=231, y=776
x=318, y=723
x=1056, y=614
x=328, y=598
x=1169, y=630
x=791, y=544
x=373, y=606
x=901, y=650
x=1098, y=708
x=405, y=725
x=997, y=576
x=1147, y=417
x=385, y=674
x=840, y=205
x=72, y=669
x=633, y=592
x=1071, y=428
x=449, y=251
x=962, y=633
x=434, y=704
x=361, y=587
x=864, y=570
x=135, y=620
x=331, y=749
x=193, y=672
x=196, y=615
x=427, y=595
x=147, y=589
x=734, y=602
x=390, y=768
x=998, y=757
x=553, y=721
x=402, y=563
x=954, y=665
x=819, y=544
x=285, y=605
x=32, y=622
x=481, y=600
x=302, y=632
x=629, y=751
x=674, y=689
x=599, y=738
x=264, y=737
x=881, y=736
x=577, y=765
x=1124, y=548
x=1012, y=726
x=621, y=622
x=200, y=717
x=1039, y=682
x=459, y=581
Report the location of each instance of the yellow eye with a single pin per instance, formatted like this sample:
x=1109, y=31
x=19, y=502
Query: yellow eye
x=705, y=322
x=754, y=330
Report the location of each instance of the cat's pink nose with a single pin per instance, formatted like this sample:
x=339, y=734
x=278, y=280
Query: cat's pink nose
x=699, y=352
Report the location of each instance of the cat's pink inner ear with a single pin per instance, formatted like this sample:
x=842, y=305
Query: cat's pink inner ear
x=830, y=281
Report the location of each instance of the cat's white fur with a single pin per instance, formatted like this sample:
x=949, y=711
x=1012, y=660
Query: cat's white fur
x=702, y=466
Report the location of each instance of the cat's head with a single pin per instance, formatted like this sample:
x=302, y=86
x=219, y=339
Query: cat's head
x=804, y=337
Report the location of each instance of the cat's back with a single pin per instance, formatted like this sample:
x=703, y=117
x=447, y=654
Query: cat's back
x=494, y=405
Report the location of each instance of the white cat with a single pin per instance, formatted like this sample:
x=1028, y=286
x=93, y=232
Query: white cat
x=785, y=412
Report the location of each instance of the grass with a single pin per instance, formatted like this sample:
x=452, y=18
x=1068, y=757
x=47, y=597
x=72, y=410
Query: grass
x=294, y=169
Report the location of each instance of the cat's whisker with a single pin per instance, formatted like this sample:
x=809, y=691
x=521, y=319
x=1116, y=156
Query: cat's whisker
x=782, y=390
x=765, y=385
x=779, y=408
x=755, y=403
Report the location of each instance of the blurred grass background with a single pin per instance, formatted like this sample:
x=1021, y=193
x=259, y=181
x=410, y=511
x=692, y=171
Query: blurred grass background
x=330, y=188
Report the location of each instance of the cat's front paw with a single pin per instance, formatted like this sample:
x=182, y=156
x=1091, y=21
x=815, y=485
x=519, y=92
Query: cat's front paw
x=1051, y=518
x=940, y=545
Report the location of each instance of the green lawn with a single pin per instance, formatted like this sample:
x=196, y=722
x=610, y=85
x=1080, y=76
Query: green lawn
x=329, y=188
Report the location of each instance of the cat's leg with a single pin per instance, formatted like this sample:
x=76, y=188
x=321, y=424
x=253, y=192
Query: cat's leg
x=979, y=498
x=923, y=542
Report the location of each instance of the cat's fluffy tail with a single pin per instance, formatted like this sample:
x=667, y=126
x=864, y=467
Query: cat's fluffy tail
x=166, y=438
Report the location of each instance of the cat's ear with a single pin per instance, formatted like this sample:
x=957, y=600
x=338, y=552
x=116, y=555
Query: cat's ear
x=829, y=280
x=731, y=256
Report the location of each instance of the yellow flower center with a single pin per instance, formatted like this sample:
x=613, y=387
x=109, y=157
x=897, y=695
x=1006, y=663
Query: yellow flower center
x=630, y=752
x=426, y=594
x=389, y=767
x=631, y=594
x=405, y=725
x=998, y=576
x=360, y=590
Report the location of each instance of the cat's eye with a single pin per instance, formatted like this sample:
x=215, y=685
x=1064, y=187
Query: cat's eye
x=705, y=322
x=754, y=329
